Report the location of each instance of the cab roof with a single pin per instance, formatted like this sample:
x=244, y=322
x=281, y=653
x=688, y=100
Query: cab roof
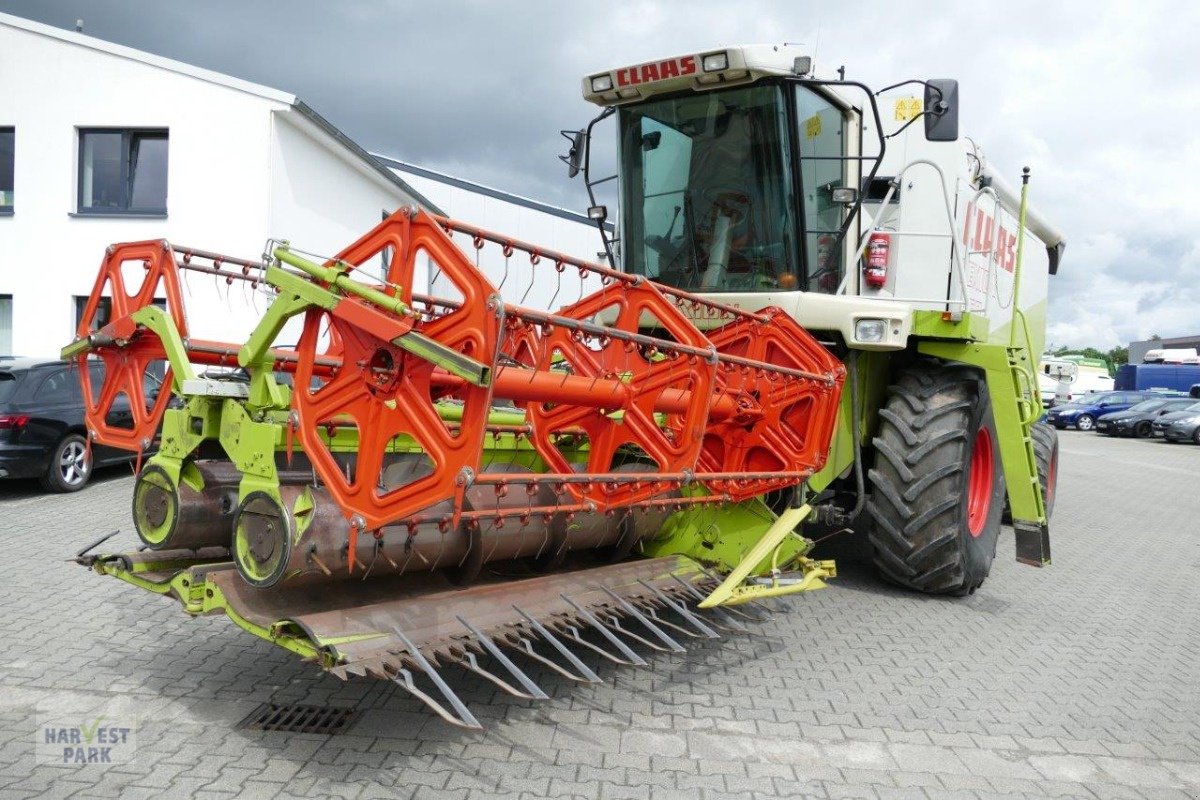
x=699, y=71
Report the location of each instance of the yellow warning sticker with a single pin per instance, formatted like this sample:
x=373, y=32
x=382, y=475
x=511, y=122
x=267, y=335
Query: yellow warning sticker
x=812, y=126
x=907, y=108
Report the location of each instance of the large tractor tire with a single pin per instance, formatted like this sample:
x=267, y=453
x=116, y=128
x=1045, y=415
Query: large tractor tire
x=937, y=486
x=1045, y=450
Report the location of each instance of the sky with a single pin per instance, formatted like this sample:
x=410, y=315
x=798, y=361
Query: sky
x=1101, y=100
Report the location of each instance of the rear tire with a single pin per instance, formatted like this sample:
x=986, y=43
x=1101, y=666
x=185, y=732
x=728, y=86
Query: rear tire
x=70, y=465
x=1045, y=451
x=937, y=484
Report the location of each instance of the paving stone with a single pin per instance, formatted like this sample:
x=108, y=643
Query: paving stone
x=1046, y=683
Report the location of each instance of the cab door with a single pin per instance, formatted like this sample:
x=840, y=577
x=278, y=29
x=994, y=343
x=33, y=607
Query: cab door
x=822, y=130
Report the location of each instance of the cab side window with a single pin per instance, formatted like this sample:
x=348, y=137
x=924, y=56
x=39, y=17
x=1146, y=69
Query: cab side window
x=96, y=375
x=59, y=388
x=821, y=148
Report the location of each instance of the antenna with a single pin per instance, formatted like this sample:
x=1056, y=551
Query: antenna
x=817, y=46
x=79, y=26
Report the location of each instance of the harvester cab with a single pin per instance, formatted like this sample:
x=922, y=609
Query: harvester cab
x=439, y=473
x=747, y=179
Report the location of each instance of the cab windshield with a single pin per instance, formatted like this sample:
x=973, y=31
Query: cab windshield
x=707, y=191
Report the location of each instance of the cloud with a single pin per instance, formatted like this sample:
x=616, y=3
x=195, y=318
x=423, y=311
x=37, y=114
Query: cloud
x=1101, y=100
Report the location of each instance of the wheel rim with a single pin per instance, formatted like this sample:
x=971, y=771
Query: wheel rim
x=73, y=464
x=1084, y=423
x=980, y=481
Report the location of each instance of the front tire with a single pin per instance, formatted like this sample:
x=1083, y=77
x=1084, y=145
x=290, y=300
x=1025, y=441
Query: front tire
x=1086, y=422
x=70, y=465
x=937, y=484
x=1142, y=430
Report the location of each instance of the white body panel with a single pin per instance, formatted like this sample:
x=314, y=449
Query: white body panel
x=922, y=268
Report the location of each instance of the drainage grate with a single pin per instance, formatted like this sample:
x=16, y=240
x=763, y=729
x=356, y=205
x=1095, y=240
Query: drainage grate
x=300, y=719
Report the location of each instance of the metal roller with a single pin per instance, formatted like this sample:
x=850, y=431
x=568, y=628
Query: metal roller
x=174, y=517
x=306, y=540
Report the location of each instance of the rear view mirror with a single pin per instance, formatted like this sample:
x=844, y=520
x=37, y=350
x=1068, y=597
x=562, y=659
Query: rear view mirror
x=941, y=110
x=574, y=157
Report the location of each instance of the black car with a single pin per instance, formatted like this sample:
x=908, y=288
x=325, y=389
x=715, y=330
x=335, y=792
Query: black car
x=1137, y=420
x=41, y=423
x=1179, y=425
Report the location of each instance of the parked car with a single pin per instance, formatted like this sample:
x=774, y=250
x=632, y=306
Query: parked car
x=41, y=422
x=1137, y=420
x=1083, y=411
x=1180, y=426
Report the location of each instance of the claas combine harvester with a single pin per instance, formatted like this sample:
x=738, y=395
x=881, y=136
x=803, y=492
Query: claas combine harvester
x=806, y=324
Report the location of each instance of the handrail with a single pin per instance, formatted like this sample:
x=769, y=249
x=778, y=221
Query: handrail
x=996, y=228
x=956, y=255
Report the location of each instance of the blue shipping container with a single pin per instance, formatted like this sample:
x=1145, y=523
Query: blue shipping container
x=1177, y=377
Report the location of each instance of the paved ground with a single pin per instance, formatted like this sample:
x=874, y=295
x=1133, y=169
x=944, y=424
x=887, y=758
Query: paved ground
x=1081, y=680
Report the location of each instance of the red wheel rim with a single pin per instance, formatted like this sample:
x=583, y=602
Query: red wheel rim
x=980, y=481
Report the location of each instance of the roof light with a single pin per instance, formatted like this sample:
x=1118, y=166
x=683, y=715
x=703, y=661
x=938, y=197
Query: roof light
x=602, y=83
x=715, y=62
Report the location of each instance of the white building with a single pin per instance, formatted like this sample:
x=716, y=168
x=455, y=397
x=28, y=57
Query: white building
x=101, y=143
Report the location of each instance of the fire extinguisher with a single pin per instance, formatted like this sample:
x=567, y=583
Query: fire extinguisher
x=876, y=263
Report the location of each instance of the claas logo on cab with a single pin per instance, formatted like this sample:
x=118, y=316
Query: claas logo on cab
x=656, y=71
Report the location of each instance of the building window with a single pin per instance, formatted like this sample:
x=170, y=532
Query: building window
x=103, y=314
x=101, y=318
x=8, y=137
x=6, y=325
x=122, y=171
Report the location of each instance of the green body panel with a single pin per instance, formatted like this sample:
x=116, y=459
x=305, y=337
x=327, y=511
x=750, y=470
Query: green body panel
x=934, y=325
x=720, y=535
x=1016, y=405
x=156, y=320
x=874, y=371
x=251, y=446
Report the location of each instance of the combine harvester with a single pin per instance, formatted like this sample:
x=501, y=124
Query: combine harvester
x=798, y=331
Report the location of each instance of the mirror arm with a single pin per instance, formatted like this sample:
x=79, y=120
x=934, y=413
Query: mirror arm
x=904, y=127
x=587, y=181
x=906, y=83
